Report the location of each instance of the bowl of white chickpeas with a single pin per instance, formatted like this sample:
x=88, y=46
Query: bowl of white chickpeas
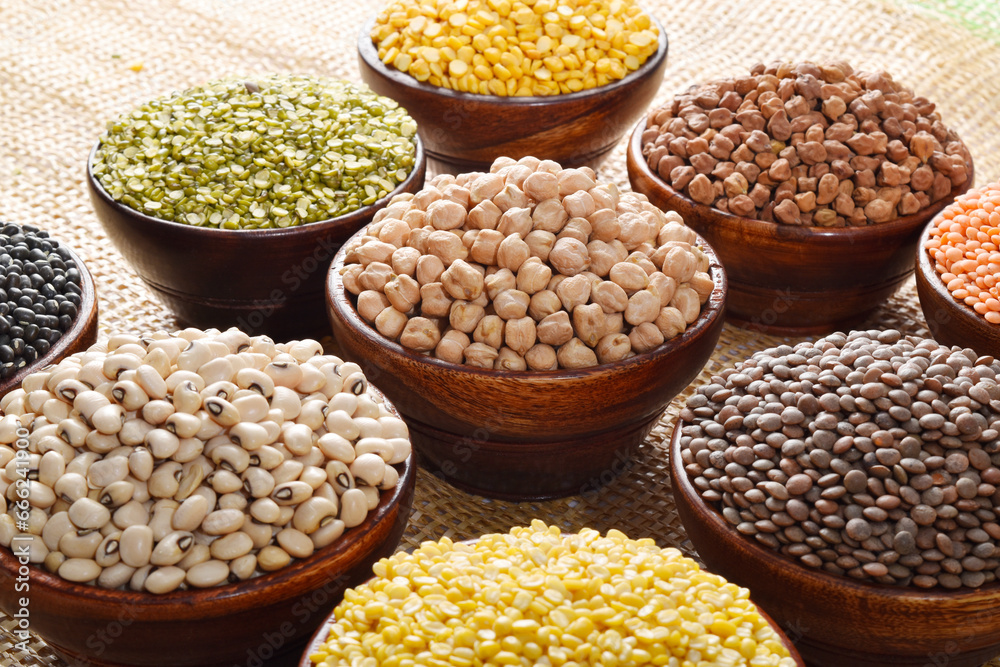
x=198, y=498
x=531, y=323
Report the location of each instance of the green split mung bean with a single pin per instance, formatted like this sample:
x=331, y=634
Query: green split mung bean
x=257, y=153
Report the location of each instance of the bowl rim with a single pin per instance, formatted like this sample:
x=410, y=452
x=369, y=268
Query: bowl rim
x=247, y=591
x=714, y=308
x=802, y=233
x=775, y=560
x=86, y=317
x=215, y=233
x=925, y=266
x=319, y=636
x=369, y=54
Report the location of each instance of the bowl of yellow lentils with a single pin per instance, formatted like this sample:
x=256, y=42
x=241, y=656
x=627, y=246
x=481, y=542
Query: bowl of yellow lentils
x=537, y=596
x=556, y=79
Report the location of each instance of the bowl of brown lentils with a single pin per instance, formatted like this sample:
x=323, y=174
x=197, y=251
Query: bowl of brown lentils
x=812, y=181
x=852, y=483
x=531, y=322
x=196, y=485
x=229, y=199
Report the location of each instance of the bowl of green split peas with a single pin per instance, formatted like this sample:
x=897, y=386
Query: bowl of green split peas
x=231, y=198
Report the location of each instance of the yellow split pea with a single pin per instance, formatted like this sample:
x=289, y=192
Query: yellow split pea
x=537, y=597
x=515, y=48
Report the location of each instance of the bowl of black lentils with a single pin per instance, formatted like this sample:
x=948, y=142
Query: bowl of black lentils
x=48, y=303
x=852, y=484
x=230, y=199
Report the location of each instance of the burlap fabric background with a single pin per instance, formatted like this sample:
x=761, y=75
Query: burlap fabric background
x=67, y=66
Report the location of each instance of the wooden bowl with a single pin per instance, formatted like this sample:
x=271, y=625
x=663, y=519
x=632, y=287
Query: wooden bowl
x=792, y=280
x=246, y=623
x=467, y=132
x=951, y=322
x=81, y=334
x=262, y=281
x=323, y=633
x=527, y=434
x=838, y=621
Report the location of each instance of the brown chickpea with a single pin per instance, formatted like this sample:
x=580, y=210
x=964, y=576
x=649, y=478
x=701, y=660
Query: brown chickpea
x=452, y=346
x=434, y=301
x=613, y=347
x=541, y=357
x=543, y=304
x=511, y=304
x=420, y=334
x=645, y=337
x=576, y=354
x=520, y=334
x=556, y=329
x=490, y=331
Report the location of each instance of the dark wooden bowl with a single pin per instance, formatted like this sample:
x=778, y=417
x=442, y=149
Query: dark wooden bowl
x=81, y=334
x=323, y=633
x=792, y=280
x=527, y=434
x=246, y=623
x=951, y=322
x=838, y=621
x=467, y=131
x=262, y=281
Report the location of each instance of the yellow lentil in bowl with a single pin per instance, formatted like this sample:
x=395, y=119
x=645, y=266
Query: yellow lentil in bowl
x=535, y=596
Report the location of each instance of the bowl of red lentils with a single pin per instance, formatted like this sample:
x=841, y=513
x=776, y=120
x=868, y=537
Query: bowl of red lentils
x=529, y=357
x=536, y=596
x=551, y=79
x=811, y=180
x=958, y=268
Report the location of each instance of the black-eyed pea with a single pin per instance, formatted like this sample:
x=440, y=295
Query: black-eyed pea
x=576, y=354
x=79, y=570
x=286, y=401
x=224, y=481
x=217, y=370
x=80, y=464
x=137, y=581
x=295, y=543
x=233, y=545
x=313, y=474
x=339, y=476
x=207, y=574
x=645, y=337
x=451, y=346
x=173, y=381
x=313, y=413
x=88, y=402
x=533, y=275
x=115, y=576
x=312, y=380
x=446, y=246
x=341, y=423
x=328, y=533
x=297, y=438
x=287, y=471
x=117, y=494
x=242, y=568
x=136, y=545
x=555, y=329
x=190, y=513
x=51, y=466
x=520, y=334
x=132, y=513
x=481, y=355
x=162, y=580
x=53, y=530
x=434, y=300
x=155, y=412
x=73, y=431
x=107, y=471
x=230, y=457
x=613, y=347
x=353, y=507
x=643, y=306
x=315, y=513
x=629, y=276
x=588, y=323
x=512, y=253
x=265, y=510
x=223, y=521
x=53, y=560
x=170, y=549
x=703, y=285
x=420, y=334
x=129, y=395
x=272, y=557
x=162, y=444
x=372, y=496
x=101, y=443
x=291, y=493
x=686, y=300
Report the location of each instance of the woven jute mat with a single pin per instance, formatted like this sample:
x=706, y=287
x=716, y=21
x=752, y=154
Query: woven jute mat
x=68, y=66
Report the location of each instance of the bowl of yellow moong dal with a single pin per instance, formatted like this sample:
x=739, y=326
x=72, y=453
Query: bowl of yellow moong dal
x=162, y=492
x=535, y=596
x=555, y=79
x=531, y=323
x=230, y=199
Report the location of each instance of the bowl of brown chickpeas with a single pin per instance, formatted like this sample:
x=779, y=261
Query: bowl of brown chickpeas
x=526, y=354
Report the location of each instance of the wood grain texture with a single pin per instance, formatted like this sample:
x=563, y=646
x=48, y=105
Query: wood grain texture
x=792, y=280
x=837, y=621
x=467, y=131
x=218, y=627
x=81, y=334
x=527, y=434
x=951, y=322
x=263, y=281
x=323, y=633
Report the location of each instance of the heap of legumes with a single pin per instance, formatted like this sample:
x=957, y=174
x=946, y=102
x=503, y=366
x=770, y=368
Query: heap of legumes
x=867, y=454
x=964, y=244
x=530, y=266
x=806, y=144
x=545, y=47
x=40, y=295
x=257, y=153
x=537, y=597
x=193, y=459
